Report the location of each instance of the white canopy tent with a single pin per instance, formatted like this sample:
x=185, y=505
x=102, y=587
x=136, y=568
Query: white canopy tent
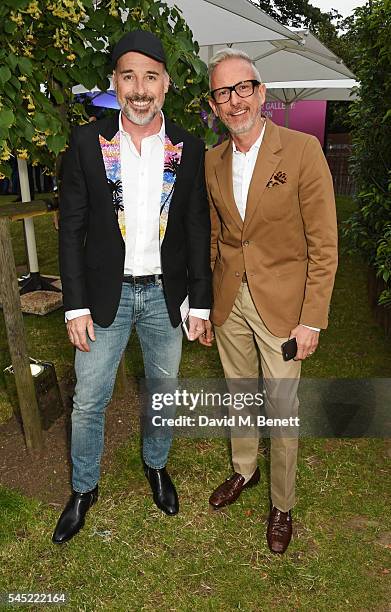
x=230, y=22
x=303, y=59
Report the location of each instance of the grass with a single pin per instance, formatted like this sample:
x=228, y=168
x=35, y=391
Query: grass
x=130, y=557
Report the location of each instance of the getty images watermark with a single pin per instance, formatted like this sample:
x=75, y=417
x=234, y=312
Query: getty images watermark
x=209, y=408
x=237, y=403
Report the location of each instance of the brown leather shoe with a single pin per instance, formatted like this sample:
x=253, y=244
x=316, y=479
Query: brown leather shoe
x=229, y=491
x=279, y=530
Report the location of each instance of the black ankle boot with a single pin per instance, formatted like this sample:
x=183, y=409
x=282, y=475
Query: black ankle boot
x=163, y=489
x=73, y=516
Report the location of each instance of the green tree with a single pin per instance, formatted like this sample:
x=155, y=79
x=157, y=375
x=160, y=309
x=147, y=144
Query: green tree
x=369, y=229
x=48, y=46
x=297, y=13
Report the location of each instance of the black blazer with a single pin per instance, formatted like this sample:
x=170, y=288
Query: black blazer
x=92, y=250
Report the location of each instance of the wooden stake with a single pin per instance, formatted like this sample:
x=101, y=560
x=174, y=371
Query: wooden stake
x=17, y=342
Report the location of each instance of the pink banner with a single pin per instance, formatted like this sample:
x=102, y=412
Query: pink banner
x=306, y=116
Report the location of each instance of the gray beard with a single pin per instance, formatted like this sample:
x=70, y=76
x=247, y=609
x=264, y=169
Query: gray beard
x=241, y=130
x=244, y=128
x=142, y=118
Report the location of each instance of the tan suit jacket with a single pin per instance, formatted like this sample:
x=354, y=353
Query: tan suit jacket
x=287, y=244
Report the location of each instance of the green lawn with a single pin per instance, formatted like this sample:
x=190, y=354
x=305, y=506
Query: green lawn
x=131, y=557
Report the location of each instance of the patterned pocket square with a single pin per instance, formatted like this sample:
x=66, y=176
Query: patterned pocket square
x=278, y=178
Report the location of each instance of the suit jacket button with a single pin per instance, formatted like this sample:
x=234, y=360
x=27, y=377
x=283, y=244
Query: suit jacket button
x=237, y=273
x=246, y=243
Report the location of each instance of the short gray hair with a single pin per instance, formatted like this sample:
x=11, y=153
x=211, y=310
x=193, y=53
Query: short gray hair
x=229, y=53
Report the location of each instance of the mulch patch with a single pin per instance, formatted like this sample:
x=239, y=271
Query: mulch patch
x=40, y=302
x=46, y=476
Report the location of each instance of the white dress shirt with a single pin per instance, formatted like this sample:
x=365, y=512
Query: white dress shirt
x=243, y=165
x=142, y=184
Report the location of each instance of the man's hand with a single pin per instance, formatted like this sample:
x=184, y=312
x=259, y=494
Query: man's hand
x=196, y=327
x=208, y=336
x=307, y=341
x=77, y=329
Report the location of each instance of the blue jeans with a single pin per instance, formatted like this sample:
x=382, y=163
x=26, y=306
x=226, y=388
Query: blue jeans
x=143, y=306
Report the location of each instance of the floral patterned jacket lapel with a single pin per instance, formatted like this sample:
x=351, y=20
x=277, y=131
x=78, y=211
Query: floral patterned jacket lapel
x=172, y=160
x=112, y=160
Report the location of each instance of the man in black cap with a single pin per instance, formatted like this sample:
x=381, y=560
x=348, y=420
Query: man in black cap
x=134, y=247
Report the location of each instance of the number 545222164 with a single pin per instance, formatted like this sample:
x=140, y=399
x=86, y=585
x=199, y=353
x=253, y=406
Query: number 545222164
x=20, y=598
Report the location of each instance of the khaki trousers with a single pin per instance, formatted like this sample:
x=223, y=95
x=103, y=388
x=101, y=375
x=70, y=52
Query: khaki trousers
x=238, y=340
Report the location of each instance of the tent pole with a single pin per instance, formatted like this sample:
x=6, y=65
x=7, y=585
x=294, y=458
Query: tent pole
x=286, y=114
x=34, y=281
x=28, y=223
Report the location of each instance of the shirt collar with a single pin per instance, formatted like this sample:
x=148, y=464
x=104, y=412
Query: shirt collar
x=256, y=144
x=161, y=133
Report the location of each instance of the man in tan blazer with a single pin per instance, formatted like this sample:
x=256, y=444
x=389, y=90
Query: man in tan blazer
x=274, y=257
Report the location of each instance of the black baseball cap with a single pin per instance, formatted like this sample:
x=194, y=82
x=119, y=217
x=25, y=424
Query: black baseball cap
x=141, y=41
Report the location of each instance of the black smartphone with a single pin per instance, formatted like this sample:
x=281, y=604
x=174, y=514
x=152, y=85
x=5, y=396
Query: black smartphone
x=289, y=349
